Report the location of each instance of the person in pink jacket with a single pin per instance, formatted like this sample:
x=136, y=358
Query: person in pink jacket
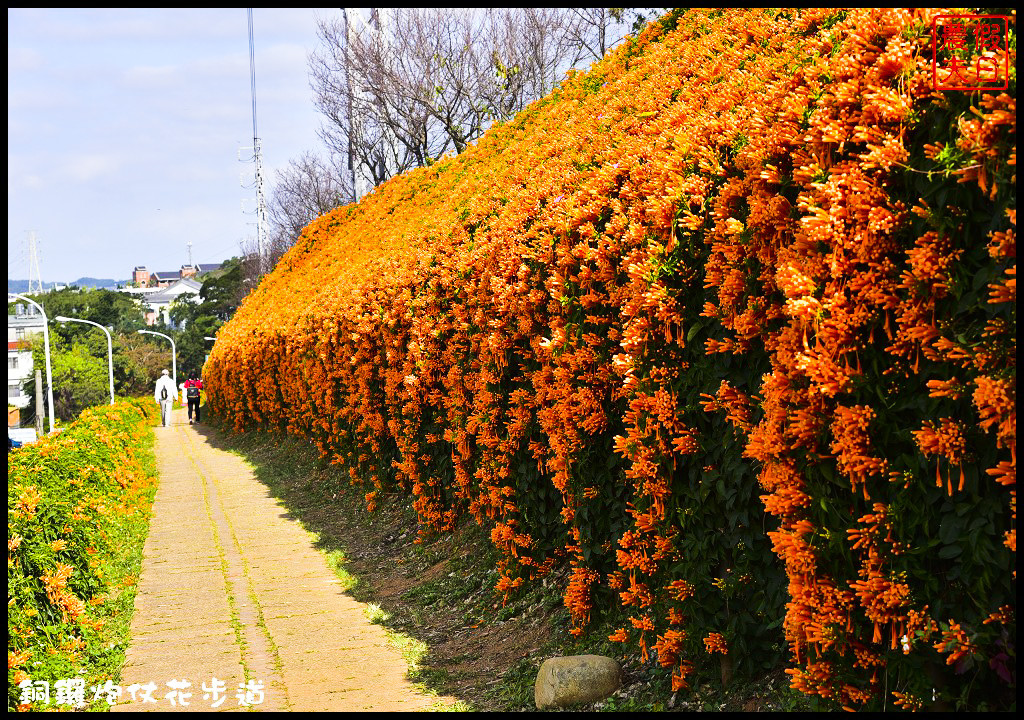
x=193, y=387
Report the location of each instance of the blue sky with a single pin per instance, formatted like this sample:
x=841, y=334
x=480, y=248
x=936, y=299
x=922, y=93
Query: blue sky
x=125, y=129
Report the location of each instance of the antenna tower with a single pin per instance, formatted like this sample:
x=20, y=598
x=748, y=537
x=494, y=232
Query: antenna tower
x=261, y=203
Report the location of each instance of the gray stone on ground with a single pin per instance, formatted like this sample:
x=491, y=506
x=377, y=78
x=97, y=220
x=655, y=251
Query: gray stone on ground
x=577, y=679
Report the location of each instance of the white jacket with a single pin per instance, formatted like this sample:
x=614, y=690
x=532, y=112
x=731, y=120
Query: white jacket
x=164, y=382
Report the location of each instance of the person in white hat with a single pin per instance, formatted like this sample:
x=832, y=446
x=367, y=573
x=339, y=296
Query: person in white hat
x=164, y=395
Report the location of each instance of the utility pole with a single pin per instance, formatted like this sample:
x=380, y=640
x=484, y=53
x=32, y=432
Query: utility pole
x=377, y=25
x=39, y=403
x=351, y=119
x=362, y=172
x=261, y=207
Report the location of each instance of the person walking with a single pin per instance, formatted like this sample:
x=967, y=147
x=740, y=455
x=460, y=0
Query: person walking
x=164, y=395
x=193, y=387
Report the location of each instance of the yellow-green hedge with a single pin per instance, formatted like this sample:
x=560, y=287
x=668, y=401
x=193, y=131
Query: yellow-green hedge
x=78, y=506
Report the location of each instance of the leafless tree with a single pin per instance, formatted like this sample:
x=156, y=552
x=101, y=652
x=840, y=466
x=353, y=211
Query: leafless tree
x=309, y=187
x=593, y=31
x=303, y=191
x=409, y=86
x=530, y=51
x=369, y=100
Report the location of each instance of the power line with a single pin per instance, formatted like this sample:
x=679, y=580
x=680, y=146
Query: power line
x=252, y=76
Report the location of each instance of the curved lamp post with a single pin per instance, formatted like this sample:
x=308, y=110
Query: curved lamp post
x=110, y=348
x=46, y=340
x=174, y=354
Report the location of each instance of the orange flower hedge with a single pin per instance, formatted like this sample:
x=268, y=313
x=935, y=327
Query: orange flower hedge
x=726, y=324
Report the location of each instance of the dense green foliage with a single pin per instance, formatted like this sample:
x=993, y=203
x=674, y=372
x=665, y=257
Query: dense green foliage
x=219, y=297
x=79, y=354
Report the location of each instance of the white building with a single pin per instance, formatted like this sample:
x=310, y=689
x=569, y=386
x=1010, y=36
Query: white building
x=158, y=299
x=21, y=327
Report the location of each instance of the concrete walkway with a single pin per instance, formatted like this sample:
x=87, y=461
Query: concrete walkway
x=235, y=600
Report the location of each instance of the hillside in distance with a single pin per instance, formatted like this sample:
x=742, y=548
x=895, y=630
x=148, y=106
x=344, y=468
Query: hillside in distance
x=21, y=286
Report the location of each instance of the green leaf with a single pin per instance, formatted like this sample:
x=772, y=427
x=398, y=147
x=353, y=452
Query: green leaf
x=950, y=551
x=949, y=530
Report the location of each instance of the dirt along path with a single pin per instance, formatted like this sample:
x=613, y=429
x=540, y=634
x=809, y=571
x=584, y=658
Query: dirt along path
x=235, y=601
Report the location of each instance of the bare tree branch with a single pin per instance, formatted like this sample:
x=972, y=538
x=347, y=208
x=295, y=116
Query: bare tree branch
x=302, y=192
x=409, y=86
x=412, y=84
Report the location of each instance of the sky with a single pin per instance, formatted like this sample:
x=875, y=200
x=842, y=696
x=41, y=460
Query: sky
x=125, y=129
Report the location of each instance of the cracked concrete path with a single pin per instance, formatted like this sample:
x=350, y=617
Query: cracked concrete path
x=234, y=600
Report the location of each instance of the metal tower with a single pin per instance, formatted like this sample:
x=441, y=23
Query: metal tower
x=35, y=278
x=261, y=202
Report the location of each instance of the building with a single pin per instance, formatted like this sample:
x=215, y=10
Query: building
x=158, y=290
x=159, y=303
x=157, y=300
x=164, y=279
x=142, y=278
x=21, y=327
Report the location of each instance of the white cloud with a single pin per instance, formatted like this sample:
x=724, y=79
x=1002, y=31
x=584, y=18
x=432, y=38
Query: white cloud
x=33, y=100
x=232, y=65
x=117, y=113
x=151, y=76
x=19, y=180
x=105, y=26
x=88, y=167
x=23, y=60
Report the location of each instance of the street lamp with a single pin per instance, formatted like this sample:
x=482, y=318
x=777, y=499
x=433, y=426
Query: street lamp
x=110, y=348
x=174, y=354
x=46, y=340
